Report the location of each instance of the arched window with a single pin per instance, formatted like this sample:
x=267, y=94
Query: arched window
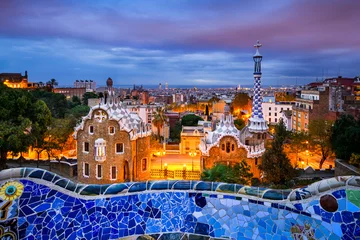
x=223, y=147
x=232, y=147
x=227, y=147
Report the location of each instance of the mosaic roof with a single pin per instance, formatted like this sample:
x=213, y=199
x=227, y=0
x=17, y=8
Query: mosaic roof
x=113, y=110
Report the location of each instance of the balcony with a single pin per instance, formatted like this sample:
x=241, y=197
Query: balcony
x=100, y=158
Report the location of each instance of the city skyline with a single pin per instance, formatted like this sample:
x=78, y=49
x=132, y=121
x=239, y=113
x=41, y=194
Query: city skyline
x=179, y=42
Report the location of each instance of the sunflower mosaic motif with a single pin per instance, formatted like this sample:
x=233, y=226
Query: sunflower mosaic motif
x=11, y=190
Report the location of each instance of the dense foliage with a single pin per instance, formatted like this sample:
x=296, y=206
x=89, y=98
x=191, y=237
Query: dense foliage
x=239, y=123
x=239, y=173
x=345, y=137
x=159, y=120
x=241, y=102
x=276, y=166
x=23, y=121
x=190, y=120
x=320, y=133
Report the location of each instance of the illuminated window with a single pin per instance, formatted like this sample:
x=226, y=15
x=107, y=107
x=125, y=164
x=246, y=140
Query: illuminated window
x=100, y=149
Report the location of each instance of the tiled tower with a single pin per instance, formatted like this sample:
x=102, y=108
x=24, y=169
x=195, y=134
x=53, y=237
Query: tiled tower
x=257, y=123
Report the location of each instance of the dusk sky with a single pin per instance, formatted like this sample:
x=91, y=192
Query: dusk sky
x=180, y=41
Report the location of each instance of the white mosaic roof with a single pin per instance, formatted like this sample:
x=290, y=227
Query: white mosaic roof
x=129, y=122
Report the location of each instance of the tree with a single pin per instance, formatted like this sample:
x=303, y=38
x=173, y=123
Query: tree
x=298, y=142
x=241, y=102
x=345, y=137
x=175, y=132
x=275, y=165
x=21, y=116
x=76, y=101
x=320, y=135
x=78, y=111
x=52, y=83
x=239, y=123
x=207, y=110
x=88, y=95
x=56, y=102
x=239, y=173
x=40, y=128
x=159, y=120
x=190, y=120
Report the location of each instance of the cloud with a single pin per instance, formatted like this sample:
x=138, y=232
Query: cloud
x=178, y=40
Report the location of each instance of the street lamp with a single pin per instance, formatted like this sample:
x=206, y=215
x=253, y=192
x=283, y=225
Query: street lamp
x=307, y=157
x=165, y=170
x=192, y=155
x=184, y=171
x=161, y=154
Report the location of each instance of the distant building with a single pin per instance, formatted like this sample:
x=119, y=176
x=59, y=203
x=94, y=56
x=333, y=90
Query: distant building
x=190, y=139
x=178, y=98
x=160, y=87
x=144, y=97
x=70, y=92
x=17, y=80
x=272, y=110
x=166, y=86
x=87, y=84
x=113, y=144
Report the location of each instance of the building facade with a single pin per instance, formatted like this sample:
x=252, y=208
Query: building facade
x=113, y=144
x=272, y=109
x=227, y=145
x=87, y=84
x=17, y=80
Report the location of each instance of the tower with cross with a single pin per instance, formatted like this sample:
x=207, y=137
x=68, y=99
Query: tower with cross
x=257, y=123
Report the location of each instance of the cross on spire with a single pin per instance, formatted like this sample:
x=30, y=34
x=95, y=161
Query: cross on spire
x=258, y=45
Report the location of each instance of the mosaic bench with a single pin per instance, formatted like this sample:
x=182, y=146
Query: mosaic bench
x=38, y=204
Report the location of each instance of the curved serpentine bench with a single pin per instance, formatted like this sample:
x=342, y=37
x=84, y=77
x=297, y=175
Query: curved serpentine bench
x=37, y=202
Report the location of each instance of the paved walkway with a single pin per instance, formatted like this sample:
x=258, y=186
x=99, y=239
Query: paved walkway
x=176, y=162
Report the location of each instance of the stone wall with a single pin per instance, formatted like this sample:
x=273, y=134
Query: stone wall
x=128, y=163
x=39, y=204
x=342, y=168
x=218, y=155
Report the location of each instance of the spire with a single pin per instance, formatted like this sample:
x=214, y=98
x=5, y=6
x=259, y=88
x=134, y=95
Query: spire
x=257, y=122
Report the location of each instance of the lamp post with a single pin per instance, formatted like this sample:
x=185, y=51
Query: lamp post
x=307, y=157
x=184, y=171
x=161, y=154
x=192, y=155
x=165, y=170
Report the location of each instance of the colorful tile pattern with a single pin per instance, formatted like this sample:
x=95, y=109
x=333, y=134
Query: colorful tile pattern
x=51, y=207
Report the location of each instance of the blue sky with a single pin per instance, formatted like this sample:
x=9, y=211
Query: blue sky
x=179, y=41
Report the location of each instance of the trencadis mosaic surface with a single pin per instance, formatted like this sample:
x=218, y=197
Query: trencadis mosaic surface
x=37, y=204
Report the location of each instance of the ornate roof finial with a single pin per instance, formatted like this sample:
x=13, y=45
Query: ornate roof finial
x=257, y=46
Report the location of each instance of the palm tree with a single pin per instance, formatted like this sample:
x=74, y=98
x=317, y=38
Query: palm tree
x=159, y=120
x=52, y=82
